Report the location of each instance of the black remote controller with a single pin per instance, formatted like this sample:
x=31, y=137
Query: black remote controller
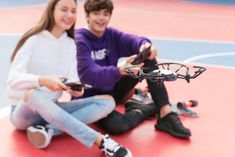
x=142, y=56
x=75, y=85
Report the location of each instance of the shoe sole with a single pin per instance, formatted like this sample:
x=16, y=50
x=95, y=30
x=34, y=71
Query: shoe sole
x=38, y=138
x=126, y=153
x=171, y=132
x=129, y=154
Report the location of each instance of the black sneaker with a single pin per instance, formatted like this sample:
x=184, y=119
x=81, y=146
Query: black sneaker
x=113, y=149
x=149, y=110
x=172, y=124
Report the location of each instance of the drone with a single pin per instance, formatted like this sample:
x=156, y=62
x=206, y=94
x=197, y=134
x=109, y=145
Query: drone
x=165, y=72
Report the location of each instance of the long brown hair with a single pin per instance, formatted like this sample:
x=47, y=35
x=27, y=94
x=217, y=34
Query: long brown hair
x=46, y=22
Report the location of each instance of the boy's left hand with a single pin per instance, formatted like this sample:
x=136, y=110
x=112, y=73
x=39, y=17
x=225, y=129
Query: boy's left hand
x=154, y=52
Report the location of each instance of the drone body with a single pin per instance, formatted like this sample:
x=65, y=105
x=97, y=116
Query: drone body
x=167, y=74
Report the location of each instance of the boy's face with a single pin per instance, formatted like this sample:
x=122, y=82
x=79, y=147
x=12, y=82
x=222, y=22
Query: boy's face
x=98, y=21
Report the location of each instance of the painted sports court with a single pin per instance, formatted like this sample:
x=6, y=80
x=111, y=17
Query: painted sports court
x=197, y=32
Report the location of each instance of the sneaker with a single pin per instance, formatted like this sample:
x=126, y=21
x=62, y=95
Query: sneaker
x=113, y=149
x=40, y=136
x=143, y=96
x=149, y=110
x=172, y=124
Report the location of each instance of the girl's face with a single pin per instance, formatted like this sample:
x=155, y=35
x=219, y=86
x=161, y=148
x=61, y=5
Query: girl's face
x=65, y=14
x=98, y=21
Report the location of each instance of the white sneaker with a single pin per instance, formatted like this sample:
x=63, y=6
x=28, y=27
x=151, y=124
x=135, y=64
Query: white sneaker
x=113, y=149
x=40, y=136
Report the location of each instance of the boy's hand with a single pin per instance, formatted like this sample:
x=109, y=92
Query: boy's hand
x=153, y=53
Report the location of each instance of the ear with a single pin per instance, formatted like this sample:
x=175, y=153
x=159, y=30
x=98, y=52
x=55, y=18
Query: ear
x=87, y=18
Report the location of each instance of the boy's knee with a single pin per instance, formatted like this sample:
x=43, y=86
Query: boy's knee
x=107, y=97
x=119, y=129
x=109, y=102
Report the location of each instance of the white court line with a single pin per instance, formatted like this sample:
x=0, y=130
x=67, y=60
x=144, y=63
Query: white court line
x=192, y=59
x=155, y=38
x=162, y=60
x=192, y=40
x=5, y=112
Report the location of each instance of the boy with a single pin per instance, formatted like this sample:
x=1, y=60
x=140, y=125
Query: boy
x=98, y=49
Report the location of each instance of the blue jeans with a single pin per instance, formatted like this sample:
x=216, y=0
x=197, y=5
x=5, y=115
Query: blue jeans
x=70, y=117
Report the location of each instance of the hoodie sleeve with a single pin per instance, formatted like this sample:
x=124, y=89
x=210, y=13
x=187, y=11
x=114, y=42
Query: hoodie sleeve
x=128, y=44
x=19, y=78
x=100, y=77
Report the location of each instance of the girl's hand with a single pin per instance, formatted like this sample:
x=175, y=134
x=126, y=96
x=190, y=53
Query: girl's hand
x=154, y=52
x=76, y=93
x=53, y=83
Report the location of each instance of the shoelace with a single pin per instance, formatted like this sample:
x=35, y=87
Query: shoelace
x=174, y=119
x=110, y=146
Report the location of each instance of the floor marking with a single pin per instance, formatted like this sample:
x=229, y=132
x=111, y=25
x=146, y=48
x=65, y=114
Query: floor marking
x=162, y=60
x=209, y=56
x=193, y=40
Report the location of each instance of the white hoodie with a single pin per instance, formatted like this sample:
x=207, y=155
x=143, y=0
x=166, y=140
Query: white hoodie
x=42, y=55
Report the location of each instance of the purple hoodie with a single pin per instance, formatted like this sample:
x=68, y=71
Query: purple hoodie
x=98, y=56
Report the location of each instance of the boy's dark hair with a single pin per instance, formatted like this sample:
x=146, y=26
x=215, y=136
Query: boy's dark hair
x=96, y=5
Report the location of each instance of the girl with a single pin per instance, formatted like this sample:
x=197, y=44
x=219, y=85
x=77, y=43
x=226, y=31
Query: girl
x=43, y=56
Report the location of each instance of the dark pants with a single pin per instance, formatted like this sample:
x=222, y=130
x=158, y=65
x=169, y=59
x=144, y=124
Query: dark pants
x=116, y=122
